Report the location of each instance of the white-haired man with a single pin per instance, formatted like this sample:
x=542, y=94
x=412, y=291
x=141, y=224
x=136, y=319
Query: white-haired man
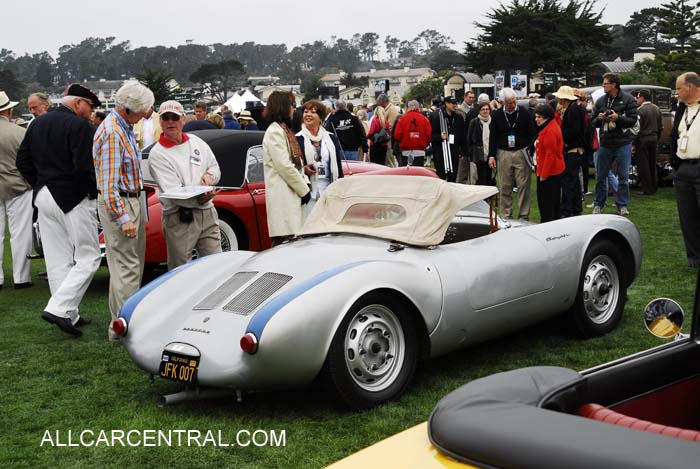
x=511, y=134
x=38, y=104
x=122, y=201
x=56, y=159
x=15, y=198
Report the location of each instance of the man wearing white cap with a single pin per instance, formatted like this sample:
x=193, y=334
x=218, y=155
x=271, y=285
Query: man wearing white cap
x=15, y=198
x=56, y=159
x=181, y=160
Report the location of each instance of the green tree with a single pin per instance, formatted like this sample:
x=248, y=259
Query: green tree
x=539, y=35
x=369, y=44
x=447, y=59
x=644, y=27
x=425, y=90
x=431, y=40
x=392, y=46
x=11, y=85
x=350, y=81
x=679, y=21
x=219, y=78
x=309, y=86
x=160, y=82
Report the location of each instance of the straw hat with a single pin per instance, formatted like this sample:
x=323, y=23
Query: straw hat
x=566, y=92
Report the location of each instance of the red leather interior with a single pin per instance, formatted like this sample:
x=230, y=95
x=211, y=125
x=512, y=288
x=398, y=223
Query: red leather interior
x=603, y=414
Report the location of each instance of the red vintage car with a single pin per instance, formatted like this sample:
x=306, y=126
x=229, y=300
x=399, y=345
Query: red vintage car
x=241, y=203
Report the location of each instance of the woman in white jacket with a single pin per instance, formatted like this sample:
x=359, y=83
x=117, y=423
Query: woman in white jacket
x=286, y=189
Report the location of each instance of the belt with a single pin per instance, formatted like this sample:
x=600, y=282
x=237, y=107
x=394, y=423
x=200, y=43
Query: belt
x=134, y=194
x=693, y=161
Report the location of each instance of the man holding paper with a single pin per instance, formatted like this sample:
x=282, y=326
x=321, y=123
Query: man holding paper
x=183, y=165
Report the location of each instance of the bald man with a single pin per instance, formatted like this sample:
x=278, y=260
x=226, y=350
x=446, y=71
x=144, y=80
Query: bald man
x=685, y=155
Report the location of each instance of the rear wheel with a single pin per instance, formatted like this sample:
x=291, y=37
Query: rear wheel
x=373, y=354
x=602, y=290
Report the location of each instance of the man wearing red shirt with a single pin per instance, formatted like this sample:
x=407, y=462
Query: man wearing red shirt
x=413, y=134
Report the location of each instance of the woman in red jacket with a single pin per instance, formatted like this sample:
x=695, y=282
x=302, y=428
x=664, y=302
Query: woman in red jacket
x=549, y=151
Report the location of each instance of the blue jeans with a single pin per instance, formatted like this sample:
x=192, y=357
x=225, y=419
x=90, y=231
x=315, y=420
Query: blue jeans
x=612, y=179
x=606, y=158
x=351, y=155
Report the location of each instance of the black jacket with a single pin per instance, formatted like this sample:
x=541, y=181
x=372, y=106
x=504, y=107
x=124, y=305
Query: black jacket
x=455, y=126
x=675, y=161
x=573, y=127
x=348, y=129
x=523, y=128
x=475, y=141
x=200, y=124
x=57, y=153
x=625, y=106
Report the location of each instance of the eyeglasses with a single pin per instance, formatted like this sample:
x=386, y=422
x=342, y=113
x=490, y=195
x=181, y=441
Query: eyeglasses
x=170, y=117
x=88, y=102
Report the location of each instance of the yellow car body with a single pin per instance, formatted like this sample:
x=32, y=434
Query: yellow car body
x=410, y=449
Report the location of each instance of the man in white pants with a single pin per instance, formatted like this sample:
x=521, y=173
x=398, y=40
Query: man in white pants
x=15, y=198
x=56, y=158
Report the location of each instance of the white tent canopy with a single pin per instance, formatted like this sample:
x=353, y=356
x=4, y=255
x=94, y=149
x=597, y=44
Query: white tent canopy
x=237, y=102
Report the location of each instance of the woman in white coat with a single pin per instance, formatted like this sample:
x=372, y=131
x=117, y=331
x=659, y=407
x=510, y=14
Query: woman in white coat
x=321, y=149
x=286, y=189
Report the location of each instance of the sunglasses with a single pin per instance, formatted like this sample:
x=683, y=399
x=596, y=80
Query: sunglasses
x=170, y=117
x=88, y=102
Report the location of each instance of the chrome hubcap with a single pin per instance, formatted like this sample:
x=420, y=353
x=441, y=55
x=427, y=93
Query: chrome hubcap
x=601, y=289
x=374, y=347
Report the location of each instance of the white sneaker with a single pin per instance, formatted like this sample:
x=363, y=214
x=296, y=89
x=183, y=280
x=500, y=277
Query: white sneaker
x=596, y=210
x=591, y=205
x=624, y=212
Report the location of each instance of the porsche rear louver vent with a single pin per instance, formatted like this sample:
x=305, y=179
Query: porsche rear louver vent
x=225, y=290
x=256, y=293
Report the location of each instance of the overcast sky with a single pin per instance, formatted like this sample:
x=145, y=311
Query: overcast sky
x=37, y=25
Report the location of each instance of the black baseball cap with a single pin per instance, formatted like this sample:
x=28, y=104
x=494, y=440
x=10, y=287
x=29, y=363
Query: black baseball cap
x=450, y=99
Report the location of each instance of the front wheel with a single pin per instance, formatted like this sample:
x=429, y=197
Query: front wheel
x=373, y=354
x=602, y=291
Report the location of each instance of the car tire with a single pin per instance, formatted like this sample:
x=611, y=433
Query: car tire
x=229, y=236
x=373, y=354
x=602, y=290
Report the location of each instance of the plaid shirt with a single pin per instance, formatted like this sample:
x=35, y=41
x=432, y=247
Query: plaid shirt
x=117, y=164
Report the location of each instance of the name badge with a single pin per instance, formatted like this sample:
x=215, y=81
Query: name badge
x=452, y=139
x=683, y=144
x=321, y=169
x=511, y=141
x=195, y=160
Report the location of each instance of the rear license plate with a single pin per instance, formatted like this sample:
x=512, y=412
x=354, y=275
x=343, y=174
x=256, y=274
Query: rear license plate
x=178, y=367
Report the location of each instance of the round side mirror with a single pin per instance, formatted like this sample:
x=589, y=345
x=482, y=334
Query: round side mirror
x=663, y=317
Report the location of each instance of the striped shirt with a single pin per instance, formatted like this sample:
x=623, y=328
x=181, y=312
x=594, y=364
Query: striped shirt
x=117, y=164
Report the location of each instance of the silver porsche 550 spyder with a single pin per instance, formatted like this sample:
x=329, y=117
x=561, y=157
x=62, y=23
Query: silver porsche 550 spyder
x=387, y=270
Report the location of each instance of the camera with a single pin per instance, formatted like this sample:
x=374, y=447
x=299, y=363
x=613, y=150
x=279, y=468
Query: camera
x=609, y=112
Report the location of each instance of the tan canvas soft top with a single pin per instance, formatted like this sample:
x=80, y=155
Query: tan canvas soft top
x=413, y=210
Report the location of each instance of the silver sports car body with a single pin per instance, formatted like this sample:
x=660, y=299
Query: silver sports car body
x=388, y=270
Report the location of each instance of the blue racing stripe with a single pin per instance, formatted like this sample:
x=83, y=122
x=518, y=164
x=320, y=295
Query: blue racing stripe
x=262, y=317
x=133, y=301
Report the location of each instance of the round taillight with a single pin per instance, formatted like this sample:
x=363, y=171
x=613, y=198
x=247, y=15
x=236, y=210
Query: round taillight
x=119, y=327
x=249, y=343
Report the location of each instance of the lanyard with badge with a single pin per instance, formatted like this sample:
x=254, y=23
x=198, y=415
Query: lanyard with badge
x=511, y=136
x=683, y=144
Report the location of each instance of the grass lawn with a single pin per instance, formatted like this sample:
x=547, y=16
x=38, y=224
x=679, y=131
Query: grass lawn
x=53, y=382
